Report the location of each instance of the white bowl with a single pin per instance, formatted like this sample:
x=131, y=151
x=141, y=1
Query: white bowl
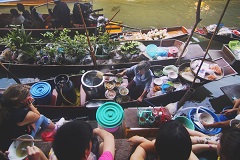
x=123, y=91
x=158, y=81
x=15, y=149
x=110, y=94
x=206, y=117
x=172, y=76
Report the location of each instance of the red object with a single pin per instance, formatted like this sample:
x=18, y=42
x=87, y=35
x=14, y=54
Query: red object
x=48, y=136
x=161, y=115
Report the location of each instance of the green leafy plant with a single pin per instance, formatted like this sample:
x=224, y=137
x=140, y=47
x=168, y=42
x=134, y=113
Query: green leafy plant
x=19, y=40
x=130, y=47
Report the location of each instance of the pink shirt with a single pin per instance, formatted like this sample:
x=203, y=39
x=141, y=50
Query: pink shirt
x=106, y=156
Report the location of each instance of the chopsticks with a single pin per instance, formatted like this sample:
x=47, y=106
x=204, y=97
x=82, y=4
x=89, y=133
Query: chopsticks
x=27, y=140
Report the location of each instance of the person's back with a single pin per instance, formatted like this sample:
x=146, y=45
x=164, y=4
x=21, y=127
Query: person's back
x=61, y=14
x=18, y=18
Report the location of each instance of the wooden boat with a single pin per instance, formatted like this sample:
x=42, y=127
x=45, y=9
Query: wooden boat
x=46, y=71
x=225, y=39
x=85, y=106
x=154, y=34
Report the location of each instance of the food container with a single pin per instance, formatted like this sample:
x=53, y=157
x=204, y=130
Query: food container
x=110, y=94
x=172, y=76
x=123, y=91
x=18, y=149
x=151, y=50
x=192, y=114
x=173, y=52
x=41, y=92
x=110, y=116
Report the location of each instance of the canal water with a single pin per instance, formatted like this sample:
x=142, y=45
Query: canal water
x=160, y=13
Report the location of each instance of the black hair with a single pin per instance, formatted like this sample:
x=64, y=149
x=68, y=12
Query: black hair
x=230, y=144
x=14, y=12
x=20, y=7
x=173, y=141
x=72, y=139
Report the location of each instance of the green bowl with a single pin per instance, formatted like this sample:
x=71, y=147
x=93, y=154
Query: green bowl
x=185, y=121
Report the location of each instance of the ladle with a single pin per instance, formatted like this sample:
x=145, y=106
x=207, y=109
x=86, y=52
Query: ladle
x=101, y=74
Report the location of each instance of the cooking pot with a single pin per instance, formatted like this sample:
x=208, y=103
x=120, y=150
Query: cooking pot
x=93, y=84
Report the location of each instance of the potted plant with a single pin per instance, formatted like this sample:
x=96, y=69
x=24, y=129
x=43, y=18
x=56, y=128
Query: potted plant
x=20, y=42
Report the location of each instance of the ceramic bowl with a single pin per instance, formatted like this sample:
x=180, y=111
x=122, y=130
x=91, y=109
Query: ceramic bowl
x=123, y=91
x=158, y=81
x=172, y=76
x=17, y=150
x=110, y=94
x=169, y=68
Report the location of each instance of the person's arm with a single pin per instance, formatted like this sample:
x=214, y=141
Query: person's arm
x=138, y=154
x=124, y=72
x=193, y=156
x=34, y=153
x=236, y=103
x=144, y=93
x=198, y=148
x=108, y=140
x=136, y=140
x=141, y=151
x=222, y=124
x=32, y=116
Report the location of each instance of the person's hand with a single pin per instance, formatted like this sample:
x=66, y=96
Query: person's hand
x=29, y=101
x=31, y=127
x=136, y=140
x=140, y=99
x=204, y=123
x=34, y=153
x=4, y=156
x=119, y=74
x=228, y=112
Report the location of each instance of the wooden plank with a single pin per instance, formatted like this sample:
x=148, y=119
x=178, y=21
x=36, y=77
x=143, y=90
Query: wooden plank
x=131, y=126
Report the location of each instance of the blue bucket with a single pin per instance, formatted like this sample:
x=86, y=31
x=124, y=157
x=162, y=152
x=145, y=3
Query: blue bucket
x=222, y=117
x=213, y=131
x=41, y=92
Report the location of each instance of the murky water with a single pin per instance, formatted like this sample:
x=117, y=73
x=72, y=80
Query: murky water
x=162, y=13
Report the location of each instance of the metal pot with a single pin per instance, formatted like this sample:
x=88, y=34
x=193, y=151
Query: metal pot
x=92, y=84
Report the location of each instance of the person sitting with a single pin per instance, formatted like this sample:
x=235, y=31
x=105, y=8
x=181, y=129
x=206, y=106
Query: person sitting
x=26, y=14
x=61, y=14
x=172, y=143
x=77, y=139
x=229, y=145
x=74, y=141
x=18, y=19
x=37, y=17
x=140, y=85
x=19, y=116
x=227, y=112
